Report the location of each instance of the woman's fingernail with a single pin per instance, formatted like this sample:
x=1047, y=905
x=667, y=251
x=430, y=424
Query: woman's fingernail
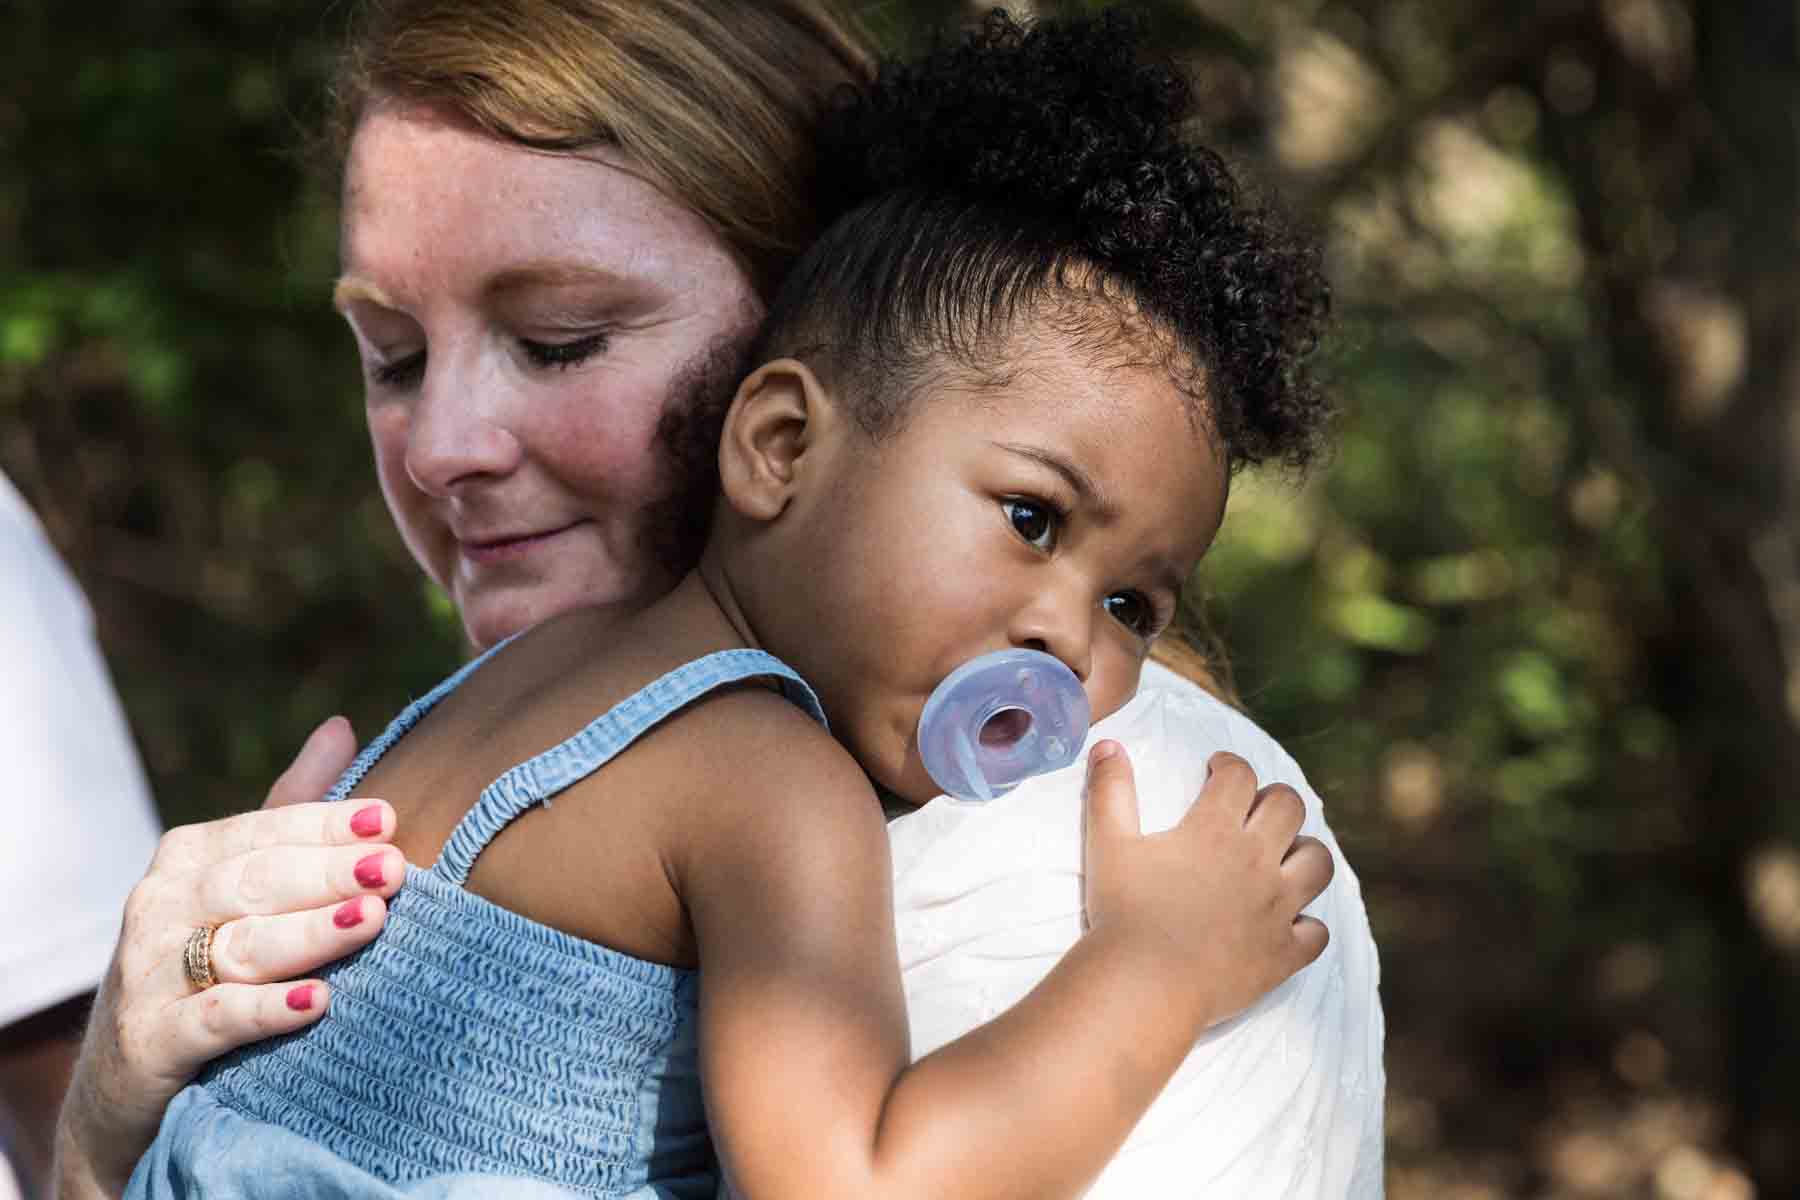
x=369, y=871
x=348, y=914
x=300, y=998
x=367, y=821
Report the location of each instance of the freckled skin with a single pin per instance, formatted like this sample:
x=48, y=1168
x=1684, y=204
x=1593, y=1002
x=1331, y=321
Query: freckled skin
x=525, y=487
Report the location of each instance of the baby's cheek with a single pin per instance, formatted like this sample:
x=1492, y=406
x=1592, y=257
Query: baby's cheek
x=1113, y=683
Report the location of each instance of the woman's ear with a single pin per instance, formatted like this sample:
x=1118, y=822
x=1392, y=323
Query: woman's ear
x=777, y=416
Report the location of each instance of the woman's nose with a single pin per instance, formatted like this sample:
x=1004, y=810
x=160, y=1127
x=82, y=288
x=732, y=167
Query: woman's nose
x=456, y=434
x=1060, y=623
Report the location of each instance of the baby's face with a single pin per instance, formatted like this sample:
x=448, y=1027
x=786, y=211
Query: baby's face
x=1060, y=511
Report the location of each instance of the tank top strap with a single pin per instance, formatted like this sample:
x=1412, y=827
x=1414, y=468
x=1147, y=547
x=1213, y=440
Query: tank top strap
x=538, y=779
x=397, y=728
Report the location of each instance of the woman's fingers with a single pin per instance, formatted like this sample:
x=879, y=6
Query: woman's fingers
x=292, y=878
x=202, y=847
x=269, y=949
x=329, y=749
x=228, y=1015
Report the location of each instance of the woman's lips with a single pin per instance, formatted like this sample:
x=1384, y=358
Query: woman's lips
x=489, y=551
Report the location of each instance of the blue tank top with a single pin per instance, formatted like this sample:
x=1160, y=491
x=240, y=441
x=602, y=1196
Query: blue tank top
x=469, y=1051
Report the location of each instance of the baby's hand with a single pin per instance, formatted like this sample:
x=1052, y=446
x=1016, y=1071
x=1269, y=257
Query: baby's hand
x=1217, y=897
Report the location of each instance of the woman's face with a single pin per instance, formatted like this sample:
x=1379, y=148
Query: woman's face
x=525, y=320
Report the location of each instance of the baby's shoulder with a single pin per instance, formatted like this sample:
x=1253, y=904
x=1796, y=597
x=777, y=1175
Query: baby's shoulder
x=750, y=746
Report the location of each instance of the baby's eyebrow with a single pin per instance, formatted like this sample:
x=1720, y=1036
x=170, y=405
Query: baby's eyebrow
x=1086, y=490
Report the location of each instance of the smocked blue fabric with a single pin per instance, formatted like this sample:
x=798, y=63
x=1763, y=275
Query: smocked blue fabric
x=468, y=1050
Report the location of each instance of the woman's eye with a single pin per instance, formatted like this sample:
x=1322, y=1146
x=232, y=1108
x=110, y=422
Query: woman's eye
x=563, y=355
x=1034, y=522
x=402, y=372
x=1134, y=611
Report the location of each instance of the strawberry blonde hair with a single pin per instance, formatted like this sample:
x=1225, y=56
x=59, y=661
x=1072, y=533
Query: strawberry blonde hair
x=715, y=101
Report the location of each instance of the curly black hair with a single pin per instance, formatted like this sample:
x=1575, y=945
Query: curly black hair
x=1025, y=165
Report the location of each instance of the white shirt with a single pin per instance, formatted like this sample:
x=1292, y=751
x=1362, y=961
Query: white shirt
x=77, y=829
x=1283, y=1101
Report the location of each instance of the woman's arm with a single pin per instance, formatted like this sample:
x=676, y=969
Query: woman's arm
x=803, y=1025
x=279, y=884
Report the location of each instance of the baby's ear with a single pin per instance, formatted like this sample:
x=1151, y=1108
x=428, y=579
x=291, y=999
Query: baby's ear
x=777, y=416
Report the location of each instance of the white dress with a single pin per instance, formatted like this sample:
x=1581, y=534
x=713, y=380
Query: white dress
x=1283, y=1101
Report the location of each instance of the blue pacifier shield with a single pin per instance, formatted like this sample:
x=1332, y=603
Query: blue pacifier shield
x=998, y=720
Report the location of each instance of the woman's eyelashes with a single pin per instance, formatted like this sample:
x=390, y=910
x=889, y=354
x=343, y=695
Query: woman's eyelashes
x=563, y=355
x=406, y=372
x=401, y=372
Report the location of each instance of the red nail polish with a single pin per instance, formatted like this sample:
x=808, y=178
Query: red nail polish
x=369, y=872
x=348, y=914
x=300, y=998
x=367, y=821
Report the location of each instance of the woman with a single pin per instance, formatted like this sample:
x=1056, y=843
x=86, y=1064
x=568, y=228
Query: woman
x=561, y=220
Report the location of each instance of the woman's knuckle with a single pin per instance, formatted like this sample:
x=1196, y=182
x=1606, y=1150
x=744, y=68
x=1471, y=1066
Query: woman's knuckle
x=130, y=1038
x=176, y=848
x=256, y=879
x=215, y=1013
x=140, y=903
x=234, y=947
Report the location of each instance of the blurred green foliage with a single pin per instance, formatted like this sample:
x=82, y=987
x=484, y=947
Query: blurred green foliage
x=1534, y=630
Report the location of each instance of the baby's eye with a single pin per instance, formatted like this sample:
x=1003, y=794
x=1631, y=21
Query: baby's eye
x=1134, y=611
x=1034, y=522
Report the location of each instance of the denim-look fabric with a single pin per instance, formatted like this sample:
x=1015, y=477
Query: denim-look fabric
x=470, y=1051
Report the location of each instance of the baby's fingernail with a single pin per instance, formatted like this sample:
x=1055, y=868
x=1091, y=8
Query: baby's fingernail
x=1103, y=751
x=348, y=914
x=300, y=998
x=367, y=821
x=369, y=871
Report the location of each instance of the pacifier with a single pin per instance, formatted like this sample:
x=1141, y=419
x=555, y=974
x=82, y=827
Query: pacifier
x=999, y=719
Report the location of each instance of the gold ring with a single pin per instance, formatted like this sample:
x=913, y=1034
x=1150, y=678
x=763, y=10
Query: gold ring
x=196, y=956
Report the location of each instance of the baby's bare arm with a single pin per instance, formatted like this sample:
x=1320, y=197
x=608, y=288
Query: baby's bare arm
x=803, y=1022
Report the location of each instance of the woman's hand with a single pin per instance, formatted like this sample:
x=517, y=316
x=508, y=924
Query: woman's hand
x=290, y=888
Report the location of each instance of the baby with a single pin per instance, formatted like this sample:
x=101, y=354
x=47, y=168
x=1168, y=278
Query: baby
x=998, y=406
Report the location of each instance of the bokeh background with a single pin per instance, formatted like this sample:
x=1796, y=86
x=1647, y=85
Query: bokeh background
x=1534, y=631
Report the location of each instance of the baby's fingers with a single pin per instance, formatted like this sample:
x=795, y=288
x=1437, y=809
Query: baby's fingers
x=1227, y=797
x=1276, y=816
x=1111, y=821
x=1307, y=868
x=1310, y=939
x=1112, y=806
